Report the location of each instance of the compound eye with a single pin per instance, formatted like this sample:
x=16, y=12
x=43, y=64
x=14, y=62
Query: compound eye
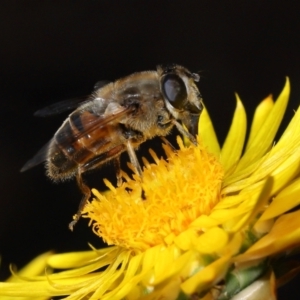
x=174, y=90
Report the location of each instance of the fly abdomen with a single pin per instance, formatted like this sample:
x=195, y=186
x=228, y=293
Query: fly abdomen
x=65, y=153
x=91, y=134
x=59, y=165
x=69, y=140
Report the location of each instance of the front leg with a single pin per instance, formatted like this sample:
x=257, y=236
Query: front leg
x=133, y=137
x=133, y=158
x=117, y=164
x=185, y=132
x=168, y=143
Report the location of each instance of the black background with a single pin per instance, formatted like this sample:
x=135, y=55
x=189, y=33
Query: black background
x=53, y=50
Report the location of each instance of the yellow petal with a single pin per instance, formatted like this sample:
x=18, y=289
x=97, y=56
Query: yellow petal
x=166, y=258
x=282, y=162
x=284, y=201
x=132, y=276
x=285, y=234
x=212, y=241
x=35, y=267
x=32, y=290
x=76, y=259
x=184, y=266
x=204, y=221
x=206, y=277
x=244, y=207
x=184, y=239
x=207, y=134
x=265, y=136
x=261, y=200
x=234, y=143
x=261, y=113
x=167, y=291
x=233, y=246
x=149, y=260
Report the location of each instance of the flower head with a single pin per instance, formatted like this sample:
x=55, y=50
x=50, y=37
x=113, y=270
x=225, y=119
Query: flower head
x=204, y=223
x=124, y=219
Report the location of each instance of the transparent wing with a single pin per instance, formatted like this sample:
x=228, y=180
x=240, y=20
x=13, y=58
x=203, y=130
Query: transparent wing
x=67, y=104
x=68, y=137
x=61, y=106
x=40, y=157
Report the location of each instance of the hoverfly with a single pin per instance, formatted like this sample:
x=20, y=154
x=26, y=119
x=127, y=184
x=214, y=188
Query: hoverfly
x=118, y=117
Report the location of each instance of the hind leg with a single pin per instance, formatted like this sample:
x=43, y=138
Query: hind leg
x=86, y=196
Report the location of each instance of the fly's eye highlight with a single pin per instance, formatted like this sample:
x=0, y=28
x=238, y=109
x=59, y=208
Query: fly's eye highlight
x=174, y=90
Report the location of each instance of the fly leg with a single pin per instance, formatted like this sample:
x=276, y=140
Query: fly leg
x=96, y=162
x=185, y=132
x=130, y=136
x=117, y=165
x=133, y=158
x=168, y=143
x=136, y=136
x=86, y=196
x=136, y=165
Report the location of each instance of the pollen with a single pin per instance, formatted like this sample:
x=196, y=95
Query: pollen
x=172, y=193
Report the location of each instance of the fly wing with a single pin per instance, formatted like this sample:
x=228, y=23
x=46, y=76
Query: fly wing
x=40, y=157
x=68, y=137
x=61, y=106
x=67, y=104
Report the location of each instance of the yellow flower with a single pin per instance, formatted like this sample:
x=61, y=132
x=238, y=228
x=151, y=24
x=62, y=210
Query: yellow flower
x=214, y=224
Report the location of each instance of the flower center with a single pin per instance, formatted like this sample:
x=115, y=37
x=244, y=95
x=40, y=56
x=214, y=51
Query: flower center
x=177, y=191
